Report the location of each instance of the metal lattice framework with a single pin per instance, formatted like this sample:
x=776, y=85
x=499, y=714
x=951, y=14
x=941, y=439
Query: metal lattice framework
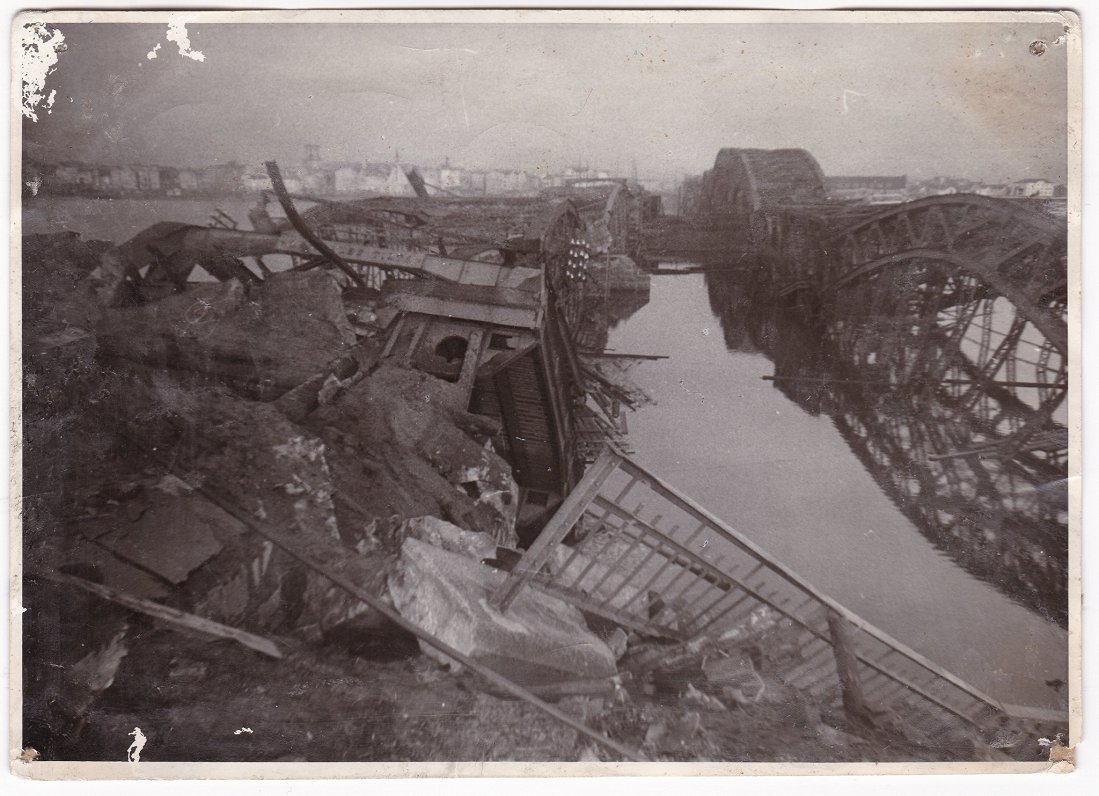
x=945, y=325
x=968, y=295
x=649, y=558
x=946, y=331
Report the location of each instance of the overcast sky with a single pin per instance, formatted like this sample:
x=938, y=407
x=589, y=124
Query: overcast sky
x=917, y=99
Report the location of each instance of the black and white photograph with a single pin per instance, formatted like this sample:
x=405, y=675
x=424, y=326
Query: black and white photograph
x=574, y=388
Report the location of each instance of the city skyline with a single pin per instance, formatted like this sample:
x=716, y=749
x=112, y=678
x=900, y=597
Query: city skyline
x=544, y=97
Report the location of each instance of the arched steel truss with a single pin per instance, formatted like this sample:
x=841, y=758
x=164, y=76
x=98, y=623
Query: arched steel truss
x=945, y=323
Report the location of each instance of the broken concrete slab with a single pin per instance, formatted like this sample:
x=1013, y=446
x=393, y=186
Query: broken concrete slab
x=173, y=536
x=272, y=469
x=263, y=340
x=540, y=640
x=406, y=421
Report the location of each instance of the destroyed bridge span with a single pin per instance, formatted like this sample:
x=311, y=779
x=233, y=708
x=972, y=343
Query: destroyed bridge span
x=944, y=325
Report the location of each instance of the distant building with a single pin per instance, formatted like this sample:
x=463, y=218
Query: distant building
x=943, y=186
x=123, y=179
x=431, y=176
x=1032, y=188
x=148, y=178
x=255, y=182
x=188, y=180
x=873, y=190
x=316, y=181
x=451, y=178
x=385, y=178
x=224, y=178
x=503, y=182
x=169, y=181
x=73, y=176
x=993, y=190
x=102, y=180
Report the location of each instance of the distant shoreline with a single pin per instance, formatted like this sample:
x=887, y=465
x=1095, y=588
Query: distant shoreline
x=135, y=195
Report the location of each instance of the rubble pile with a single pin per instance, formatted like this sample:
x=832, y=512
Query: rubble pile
x=147, y=422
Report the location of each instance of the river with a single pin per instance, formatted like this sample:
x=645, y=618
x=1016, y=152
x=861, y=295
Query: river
x=787, y=479
x=776, y=473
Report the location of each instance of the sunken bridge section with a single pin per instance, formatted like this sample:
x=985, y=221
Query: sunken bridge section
x=943, y=325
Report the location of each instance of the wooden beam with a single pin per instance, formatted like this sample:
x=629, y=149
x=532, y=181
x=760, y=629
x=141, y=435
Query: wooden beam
x=847, y=667
x=173, y=617
x=475, y=346
x=567, y=515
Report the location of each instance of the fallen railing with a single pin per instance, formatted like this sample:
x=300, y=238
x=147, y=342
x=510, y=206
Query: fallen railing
x=648, y=558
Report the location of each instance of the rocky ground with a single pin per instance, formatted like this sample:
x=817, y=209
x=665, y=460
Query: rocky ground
x=161, y=440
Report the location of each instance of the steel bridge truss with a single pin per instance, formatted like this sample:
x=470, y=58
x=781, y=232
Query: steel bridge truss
x=948, y=320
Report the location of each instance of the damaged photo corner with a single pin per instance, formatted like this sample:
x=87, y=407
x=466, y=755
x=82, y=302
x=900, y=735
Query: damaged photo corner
x=543, y=394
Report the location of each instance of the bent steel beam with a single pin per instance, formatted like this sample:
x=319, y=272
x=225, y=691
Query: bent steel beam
x=203, y=241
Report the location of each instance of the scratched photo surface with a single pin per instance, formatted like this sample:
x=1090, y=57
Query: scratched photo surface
x=692, y=393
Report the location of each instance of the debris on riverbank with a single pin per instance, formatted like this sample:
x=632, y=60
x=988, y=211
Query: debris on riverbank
x=306, y=498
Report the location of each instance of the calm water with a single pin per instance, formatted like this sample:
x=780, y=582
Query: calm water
x=118, y=220
x=729, y=439
x=785, y=478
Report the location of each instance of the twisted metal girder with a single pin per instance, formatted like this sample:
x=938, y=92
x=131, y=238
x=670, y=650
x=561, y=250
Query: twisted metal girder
x=943, y=352
x=966, y=293
x=996, y=508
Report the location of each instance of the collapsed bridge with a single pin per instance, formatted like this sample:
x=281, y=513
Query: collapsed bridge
x=956, y=307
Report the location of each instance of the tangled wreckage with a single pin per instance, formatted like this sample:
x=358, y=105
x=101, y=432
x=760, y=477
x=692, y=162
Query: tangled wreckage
x=388, y=425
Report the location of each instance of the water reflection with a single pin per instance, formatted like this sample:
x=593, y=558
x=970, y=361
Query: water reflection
x=962, y=433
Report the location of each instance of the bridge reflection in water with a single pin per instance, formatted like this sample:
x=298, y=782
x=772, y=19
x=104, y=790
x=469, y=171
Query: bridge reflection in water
x=934, y=334
x=950, y=398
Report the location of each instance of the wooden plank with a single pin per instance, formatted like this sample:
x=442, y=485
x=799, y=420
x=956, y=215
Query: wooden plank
x=474, y=348
x=173, y=617
x=520, y=450
x=557, y=398
x=602, y=609
x=422, y=323
x=847, y=668
x=516, y=317
x=459, y=292
x=393, y=335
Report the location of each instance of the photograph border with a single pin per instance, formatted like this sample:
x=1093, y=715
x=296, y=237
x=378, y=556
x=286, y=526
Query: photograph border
x=49, y=770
